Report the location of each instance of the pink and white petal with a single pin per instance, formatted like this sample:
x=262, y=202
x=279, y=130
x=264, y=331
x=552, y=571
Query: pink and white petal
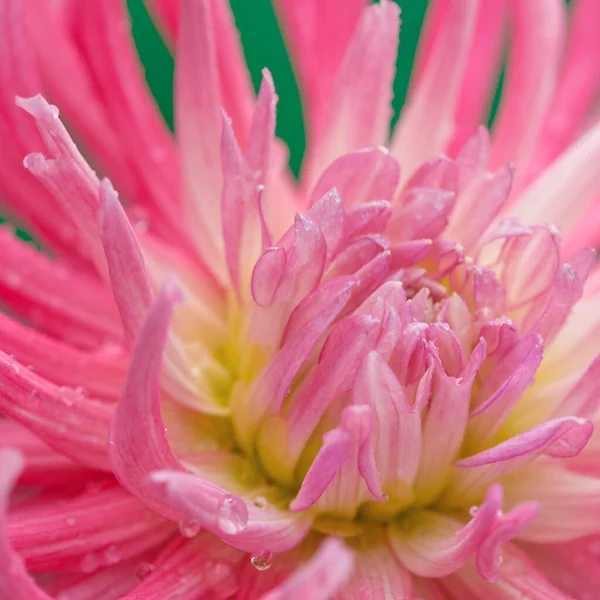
x=138, y=437
x=506, y=527
x=359, y=177
x=397, y=428
x=430, y=544
x=70, y=305
x=576, y=90
x=15, y=582
x=538, y=32
x=569, y=503
x=127, y=272
x=67, y=176
x=198, y=129
x=321, y=577
x=377, y=575
x=343, y=474
x=239, y=523
x=481, y=70
x=565, y=190
x=318, y=34
x=560, y=438
x=427, y=121
x=43, y=466
x=520, y=577
x=358, y=110
x=65, y=419
x=202, y=567
x=103, y=527
x=99, y=372
x=583, y=399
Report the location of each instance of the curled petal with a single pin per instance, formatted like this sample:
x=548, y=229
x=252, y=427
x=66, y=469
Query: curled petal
x=432, y=545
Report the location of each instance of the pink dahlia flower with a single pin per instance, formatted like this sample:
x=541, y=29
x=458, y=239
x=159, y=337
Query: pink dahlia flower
x=377, y=383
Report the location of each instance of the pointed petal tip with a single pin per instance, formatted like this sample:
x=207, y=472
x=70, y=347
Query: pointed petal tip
x=38, y=107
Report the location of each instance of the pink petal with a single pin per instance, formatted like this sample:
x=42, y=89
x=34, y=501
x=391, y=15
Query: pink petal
x=70, y=305
x=43, y=466
x=100, y=373
x=67, y=176
x=118, y=78
x=15, y=583
x=322, y=576
x=343, y=474
x=443, y=429
x=480, y=72
x=537, y=43
x=437, y=545
x=102, y=528
x=566, y=189
x=397, y=428
x=191, y=569
x=138, y=437
x=358, y=111
x=568, y=503
x=64, y=418
x=361, y=176
x=126, y=267
x=576, y=87
x=426, y=124
x=477, y=206
x=377, y=574
x=197, y=114
x=507, y=526
x=235, y=521
x=559, y=438
x=371, y=217
x=267, y=275
x=583, y=399
x=318, y=34
x=519, y=577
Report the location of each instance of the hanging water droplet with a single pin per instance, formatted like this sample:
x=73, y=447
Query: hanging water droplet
x=144, y=569
x=262, y=560
x=232, y=515
x=473, y=510
x=260, y=502
x=189, y=528
x=15, y=368
x=112, y=555
x=385, y=497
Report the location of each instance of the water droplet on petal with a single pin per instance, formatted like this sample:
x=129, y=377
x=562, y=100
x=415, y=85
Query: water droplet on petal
x=232, y=515
x=385, y=497
x=15, y=368
x=262, y=560
x=90, y=563
x=189, y=528
x=144, y=569
x=112, y=555
x=70, y=521
x=260, y=502
x=473, y=510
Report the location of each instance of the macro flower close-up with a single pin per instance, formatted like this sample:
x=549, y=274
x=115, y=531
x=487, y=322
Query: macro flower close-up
x=375, y=377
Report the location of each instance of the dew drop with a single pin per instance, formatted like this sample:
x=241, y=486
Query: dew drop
x=260, y=502
x=144, y=569
x=15, y=368
x=189, y=528
x=262, y=560
x=112, y=555
x=473, y=510
x=232, y=515
x=385, y=497
x=89, y=563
